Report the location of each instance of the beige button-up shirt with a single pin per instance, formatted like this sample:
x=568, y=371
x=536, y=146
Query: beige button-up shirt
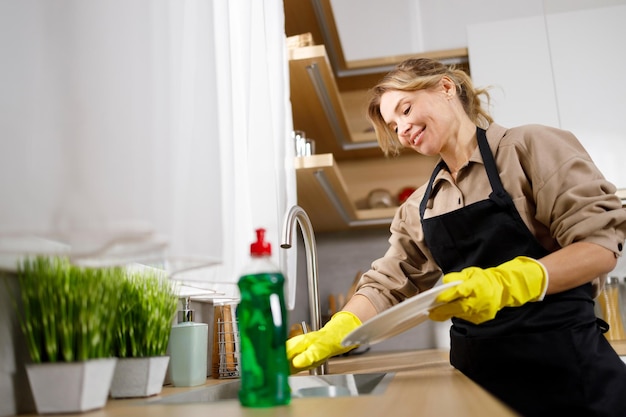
x=559, y=192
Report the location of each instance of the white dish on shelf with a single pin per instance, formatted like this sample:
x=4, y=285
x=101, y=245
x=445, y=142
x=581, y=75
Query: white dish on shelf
x=398, y=318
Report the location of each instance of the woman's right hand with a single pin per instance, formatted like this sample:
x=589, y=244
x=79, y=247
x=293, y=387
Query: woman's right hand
x=310, y=350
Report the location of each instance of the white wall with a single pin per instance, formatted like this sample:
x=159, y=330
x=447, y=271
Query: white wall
x=512, y=58
x=588, y=58
x=368, y=30
x=447, y=20
x=563, y=70
x=373, y=29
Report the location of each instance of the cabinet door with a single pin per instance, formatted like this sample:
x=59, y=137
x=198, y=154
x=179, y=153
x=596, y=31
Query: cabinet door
x=588, y=61
x=513, y=58
x=561, y=70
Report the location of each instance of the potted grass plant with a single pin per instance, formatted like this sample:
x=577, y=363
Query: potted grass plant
x=147, y=308
x=67, y=316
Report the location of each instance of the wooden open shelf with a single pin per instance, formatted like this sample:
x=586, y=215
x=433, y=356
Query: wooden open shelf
x=334, y=184
x=335, y=196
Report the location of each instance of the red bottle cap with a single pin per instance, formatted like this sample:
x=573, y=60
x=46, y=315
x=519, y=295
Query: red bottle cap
x=260, y=247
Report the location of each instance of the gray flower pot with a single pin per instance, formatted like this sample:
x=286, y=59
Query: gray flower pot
x=71, y=387
x=139, y=377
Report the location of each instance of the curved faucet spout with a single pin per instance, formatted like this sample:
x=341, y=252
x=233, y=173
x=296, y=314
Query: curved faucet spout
x=297, y=215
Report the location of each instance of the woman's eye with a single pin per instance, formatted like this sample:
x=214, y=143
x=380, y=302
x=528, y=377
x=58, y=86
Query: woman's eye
x=407, y=110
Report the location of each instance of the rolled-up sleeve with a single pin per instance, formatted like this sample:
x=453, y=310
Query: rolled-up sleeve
x=573, y=197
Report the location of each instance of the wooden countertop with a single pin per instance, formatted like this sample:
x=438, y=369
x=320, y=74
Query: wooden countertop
x=424, y=384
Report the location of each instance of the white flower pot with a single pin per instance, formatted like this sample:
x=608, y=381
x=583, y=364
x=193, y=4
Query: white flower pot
x=139, y=377
x=71, y=387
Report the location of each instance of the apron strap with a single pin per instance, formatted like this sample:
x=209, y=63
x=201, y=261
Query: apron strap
x=498, y=194
x=429, y=189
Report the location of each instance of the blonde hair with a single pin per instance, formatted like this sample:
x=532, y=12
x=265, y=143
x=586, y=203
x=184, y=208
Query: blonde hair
x=419, y=74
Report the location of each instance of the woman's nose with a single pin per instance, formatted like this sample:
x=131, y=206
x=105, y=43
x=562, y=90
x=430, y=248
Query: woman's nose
x=403, y=129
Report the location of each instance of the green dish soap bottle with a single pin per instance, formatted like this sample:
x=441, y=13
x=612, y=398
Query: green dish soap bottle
x=262, y=321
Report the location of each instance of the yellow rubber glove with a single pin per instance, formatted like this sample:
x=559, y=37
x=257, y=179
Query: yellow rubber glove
x=484, y=292
x=307, y=351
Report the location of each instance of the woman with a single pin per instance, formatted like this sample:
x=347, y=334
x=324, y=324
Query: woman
x=527, y=223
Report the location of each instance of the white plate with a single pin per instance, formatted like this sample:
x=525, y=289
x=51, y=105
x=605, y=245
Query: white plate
x=398, y=318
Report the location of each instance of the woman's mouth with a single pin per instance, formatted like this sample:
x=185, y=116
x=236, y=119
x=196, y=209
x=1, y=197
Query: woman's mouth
x=416, y=139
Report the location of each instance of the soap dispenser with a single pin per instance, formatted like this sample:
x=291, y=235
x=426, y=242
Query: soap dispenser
x=262, y=321
x=188, y=349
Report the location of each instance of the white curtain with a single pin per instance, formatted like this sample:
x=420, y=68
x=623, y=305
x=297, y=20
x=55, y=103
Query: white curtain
x=145, y=130
x=255, y=119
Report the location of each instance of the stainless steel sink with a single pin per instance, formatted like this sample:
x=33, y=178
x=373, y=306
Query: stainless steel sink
x=340, y=385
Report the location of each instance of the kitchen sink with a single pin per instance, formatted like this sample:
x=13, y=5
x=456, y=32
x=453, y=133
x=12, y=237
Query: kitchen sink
x=339, y=385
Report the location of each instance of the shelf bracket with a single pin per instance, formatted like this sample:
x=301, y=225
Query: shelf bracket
x=320, y=176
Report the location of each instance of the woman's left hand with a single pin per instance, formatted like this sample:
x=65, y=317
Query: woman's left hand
x=484, y=292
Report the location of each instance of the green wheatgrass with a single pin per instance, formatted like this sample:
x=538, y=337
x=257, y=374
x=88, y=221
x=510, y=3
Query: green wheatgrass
x=71, y=313
x=68, y=312
x=147, y=307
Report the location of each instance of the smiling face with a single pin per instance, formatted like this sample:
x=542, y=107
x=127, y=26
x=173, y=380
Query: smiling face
x=429, y=107
x=424, y=120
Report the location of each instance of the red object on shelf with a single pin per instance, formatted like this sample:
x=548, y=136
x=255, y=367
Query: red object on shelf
x=405, y=193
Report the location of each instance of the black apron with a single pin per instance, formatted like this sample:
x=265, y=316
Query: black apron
x=543, y=358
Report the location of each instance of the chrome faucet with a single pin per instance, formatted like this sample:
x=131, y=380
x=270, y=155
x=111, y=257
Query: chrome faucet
x=297, y=215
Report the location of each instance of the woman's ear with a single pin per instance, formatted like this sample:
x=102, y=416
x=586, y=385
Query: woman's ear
x=448, y=86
